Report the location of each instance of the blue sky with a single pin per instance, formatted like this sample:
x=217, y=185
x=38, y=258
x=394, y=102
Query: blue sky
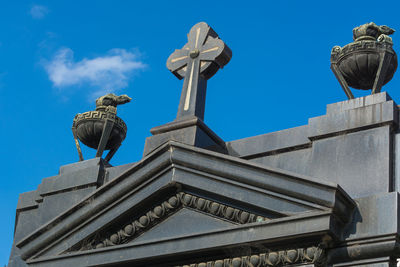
x=56, y=57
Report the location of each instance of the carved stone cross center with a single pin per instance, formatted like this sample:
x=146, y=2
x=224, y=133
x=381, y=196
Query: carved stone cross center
x=198, y=60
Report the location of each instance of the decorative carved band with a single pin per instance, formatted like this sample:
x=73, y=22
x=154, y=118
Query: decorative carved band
x=135, y=227
x=384, y=44
x=165, y=209
x=99, y=115
x=311, y=255
x=220, y=210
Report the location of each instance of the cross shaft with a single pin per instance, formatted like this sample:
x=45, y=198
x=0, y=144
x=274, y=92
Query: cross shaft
x=199, y=59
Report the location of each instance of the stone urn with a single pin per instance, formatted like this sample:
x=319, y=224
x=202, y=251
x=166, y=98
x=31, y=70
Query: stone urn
x=101, y=129
x=90, y=125
x=367, y=63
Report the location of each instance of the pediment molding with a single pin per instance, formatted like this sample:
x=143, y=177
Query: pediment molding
x=310, y=255
x=226, y=179
x=158, y=213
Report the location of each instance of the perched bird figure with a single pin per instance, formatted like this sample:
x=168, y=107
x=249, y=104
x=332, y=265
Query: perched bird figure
x=370, y=31
x=111, y=100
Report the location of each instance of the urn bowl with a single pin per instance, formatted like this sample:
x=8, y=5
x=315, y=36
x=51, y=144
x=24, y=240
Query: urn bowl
x=359, y=62
x=89, y=129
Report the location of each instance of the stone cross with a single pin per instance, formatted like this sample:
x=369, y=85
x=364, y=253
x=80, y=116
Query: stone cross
x=198, y=60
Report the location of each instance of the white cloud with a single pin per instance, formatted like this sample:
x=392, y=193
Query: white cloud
x=104, y=74
x=38, y=12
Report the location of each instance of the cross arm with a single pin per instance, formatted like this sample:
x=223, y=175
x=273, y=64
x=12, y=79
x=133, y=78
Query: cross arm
x=216, y=50
x=177, y=61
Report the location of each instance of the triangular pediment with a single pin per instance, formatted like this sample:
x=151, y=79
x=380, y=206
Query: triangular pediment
x=193, y=199
x=181, y=214
x=183, y=223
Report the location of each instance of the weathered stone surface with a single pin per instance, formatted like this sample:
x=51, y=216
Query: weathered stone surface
x=358, y=102
x=376, y=262
x=191, y=131
x=27, y=200
x=396, y=162
x=351, y=145
x=361, y=162
x=113, y=172
x=186, y=218
x=353, y=120
x=376, y=215
x=270, y=174
x=276, y=142
x=72, y=177
x=297, y=161
x=372, y=234
x=55, y=195
x=292, y=199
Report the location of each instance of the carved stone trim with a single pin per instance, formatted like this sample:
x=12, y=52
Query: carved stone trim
x=219, y=210
x=99, y=115
x=310, y=255
x=338, y=53
x=133, y=228
x=162, y=211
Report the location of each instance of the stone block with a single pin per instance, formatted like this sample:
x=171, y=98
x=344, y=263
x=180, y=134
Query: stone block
x=297, y=161
x=113, y=172
x=80, y=174
x=360, y=162
x=191, y=131
x=353, y=120
x=266, y=143
x=376, y=215
x=358, y=102
x=27, y=200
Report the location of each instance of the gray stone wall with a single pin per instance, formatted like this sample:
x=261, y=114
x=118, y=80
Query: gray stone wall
x=352, y=145
x=355, y=145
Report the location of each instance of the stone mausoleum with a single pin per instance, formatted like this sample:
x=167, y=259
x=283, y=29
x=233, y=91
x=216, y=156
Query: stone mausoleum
x=322, y=194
